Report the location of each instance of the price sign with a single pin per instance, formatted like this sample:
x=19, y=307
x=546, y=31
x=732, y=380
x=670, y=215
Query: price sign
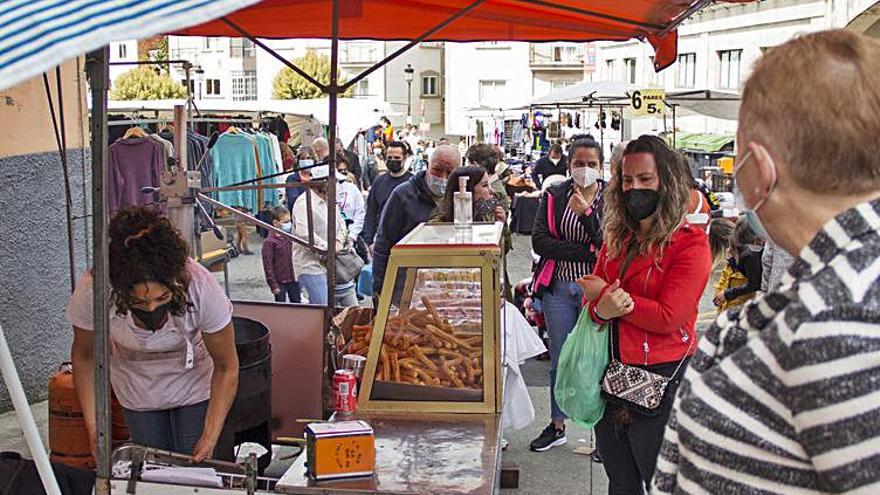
x=648, y=103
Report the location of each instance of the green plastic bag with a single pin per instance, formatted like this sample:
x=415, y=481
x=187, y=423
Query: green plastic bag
x=581, y=365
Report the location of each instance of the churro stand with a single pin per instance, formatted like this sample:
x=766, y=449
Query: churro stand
x=431, y=388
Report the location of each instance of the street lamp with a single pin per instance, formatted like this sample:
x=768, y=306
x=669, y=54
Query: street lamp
x=200, y=77
x=408, y=76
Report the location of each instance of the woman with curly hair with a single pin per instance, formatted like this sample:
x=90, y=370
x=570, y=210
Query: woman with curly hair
x=173, y=364
x=648, y=281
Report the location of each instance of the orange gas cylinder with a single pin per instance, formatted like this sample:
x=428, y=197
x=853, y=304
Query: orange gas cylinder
x=68, y=437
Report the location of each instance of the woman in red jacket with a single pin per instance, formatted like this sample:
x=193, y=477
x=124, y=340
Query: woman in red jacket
x=648, y=281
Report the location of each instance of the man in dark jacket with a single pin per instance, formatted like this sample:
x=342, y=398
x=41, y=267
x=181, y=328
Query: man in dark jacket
x=553, y=163
x=380, y=191
x=410, y=204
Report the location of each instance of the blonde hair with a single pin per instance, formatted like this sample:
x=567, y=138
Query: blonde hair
x=814, y=101
x=675, y=185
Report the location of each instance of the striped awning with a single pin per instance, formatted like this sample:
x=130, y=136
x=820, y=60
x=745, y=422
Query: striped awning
x=36, y=35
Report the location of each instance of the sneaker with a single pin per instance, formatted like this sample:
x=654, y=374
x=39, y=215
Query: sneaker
x=596, y=457
x=549, y=438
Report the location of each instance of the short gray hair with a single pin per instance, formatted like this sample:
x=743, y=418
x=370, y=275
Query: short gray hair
x=320, y=144
x=447, y=154
x=617, y=153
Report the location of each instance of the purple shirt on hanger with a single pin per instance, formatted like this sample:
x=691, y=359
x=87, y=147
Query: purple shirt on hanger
x=132, y=164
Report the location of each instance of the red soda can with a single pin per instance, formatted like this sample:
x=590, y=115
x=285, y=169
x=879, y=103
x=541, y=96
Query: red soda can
x=344, y=392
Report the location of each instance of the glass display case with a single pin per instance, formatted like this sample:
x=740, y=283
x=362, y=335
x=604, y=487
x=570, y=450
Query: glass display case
x=433, y=346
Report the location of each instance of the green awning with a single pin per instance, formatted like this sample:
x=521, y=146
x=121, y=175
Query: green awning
x=707, y=143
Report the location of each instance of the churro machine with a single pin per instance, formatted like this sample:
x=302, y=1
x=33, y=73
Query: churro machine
x=434, y=346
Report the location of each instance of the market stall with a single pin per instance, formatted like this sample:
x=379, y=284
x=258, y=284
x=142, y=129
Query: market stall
x=444, y=20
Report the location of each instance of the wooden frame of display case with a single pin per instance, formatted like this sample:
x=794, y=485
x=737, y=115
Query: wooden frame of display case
x=486, y=258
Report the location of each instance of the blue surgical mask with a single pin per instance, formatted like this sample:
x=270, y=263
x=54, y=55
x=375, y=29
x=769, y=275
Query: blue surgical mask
x=752, y=218
x=436, y=184
x=287, y=227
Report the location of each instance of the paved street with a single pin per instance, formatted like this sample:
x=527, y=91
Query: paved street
x=559, y=470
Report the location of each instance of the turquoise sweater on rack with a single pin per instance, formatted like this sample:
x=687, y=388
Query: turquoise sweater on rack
x=235, y=160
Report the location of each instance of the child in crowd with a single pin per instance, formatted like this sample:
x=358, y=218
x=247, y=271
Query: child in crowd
x=278, y=259
x=741, y=277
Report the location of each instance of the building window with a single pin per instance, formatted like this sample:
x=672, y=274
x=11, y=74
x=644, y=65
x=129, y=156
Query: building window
x=359, y=52
x=492, y=92
x=609, y=70
x=430, y=85
x=687, y=63
x=123, y=51
x=192, y=85
x=730, y=64
x=557, y=85
x=242, y=48
x=244, y=85
x=362, y=88
x=212, y=87
x=629, y=70
x=566, y=54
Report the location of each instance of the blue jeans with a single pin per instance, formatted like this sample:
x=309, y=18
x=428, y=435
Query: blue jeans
x=316, y=288
x=177, y=430
x=289, y=292
x=561, y=309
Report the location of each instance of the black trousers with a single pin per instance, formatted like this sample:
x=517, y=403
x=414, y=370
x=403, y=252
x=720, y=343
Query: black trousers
x=629, y=452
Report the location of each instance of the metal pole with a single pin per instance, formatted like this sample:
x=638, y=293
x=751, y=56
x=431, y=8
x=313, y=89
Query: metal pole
x=674, y=136
x=99, y=76
x=333, y=93
x=409, y=102
x=26, y=418
x=189, y=94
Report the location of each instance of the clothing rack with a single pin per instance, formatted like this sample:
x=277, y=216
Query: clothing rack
x=212, y=120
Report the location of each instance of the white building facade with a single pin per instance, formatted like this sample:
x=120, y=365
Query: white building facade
x=717, y=49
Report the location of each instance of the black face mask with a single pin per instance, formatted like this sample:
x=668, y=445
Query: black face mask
x=154, y=319
x=640, y=203
x=394, y=166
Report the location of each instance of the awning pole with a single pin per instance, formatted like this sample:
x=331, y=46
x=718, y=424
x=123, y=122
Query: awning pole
x=99, y=76
x=333, y=93
x=673, y=127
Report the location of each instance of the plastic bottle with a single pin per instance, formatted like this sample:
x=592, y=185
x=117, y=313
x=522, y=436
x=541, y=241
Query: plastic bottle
x=463, y=209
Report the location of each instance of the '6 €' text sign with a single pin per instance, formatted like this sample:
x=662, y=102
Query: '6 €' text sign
x=648, y=103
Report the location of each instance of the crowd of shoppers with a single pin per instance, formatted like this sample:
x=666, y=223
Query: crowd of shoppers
x=779, y=394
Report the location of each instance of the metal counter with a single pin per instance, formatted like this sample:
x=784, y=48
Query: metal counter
x=417, y=454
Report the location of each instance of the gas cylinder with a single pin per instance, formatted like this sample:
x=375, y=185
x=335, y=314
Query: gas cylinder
x=68, y=437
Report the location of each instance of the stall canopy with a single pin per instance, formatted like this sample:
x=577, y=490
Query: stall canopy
x=466, y=20
x=707, y=143
x=579, y=94
x=709, y=103
x=36, y=35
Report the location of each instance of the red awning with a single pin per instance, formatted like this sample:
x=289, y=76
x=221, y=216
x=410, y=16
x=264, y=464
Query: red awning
x=492, y=20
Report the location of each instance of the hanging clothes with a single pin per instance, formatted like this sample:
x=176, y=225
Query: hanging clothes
x=167, y=147
x=133, y=163
x=235, y=160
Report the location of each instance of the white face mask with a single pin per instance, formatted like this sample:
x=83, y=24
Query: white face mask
x=377, y=152
x=585, y=176
x=555, y=161
x=320, y=172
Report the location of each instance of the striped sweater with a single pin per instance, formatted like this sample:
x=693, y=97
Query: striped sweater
x=783, y=395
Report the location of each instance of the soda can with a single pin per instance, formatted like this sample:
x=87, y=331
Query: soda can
x=344, y=392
